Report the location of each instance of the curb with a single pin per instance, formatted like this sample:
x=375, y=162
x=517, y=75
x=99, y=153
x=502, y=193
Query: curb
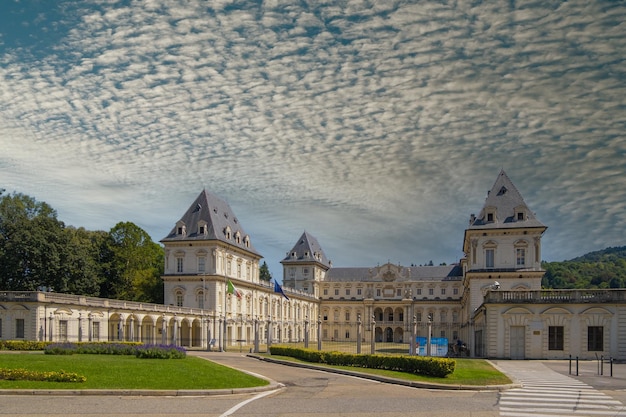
x=389, y=380
x=140, y=392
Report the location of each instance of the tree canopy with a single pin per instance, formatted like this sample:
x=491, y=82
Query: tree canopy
x=264, y=272
x=38, y=252
x=600, y=269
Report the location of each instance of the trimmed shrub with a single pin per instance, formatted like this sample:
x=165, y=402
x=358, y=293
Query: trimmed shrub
x=430, y=366
x=160, y=352
x=137, y=349
x=26, y=375
x=22, y=345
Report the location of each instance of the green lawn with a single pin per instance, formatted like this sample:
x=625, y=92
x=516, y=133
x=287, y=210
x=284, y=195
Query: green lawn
x=476, y=372
x=128, y=372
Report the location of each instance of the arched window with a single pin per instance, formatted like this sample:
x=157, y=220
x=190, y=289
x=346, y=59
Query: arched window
x=180, y=298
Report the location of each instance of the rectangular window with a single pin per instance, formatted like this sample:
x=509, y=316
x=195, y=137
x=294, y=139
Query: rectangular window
x=325, y=317
x=95, y=329
x=63, y=330
x=201, y=299
x=325, y=333
x=398, y=292
x=179, y=264
x=377, y=292
x=336, y=316
x=201, y=264
x=455, y=291
x=19, y=328
x=489, y=258
x=347, y=291
x=431, y=291
x=419, y=291
x=520, y=256
x=443, y=291
x=179, y=299
x=325, y=291
x=555, y=338
x=336, y=334
x=336, y=291
x=595, y=338
x=358, y=291
x=347, y=334
x=347, y=316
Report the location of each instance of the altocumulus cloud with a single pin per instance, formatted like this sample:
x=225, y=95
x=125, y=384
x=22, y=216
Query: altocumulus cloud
x=376, y=126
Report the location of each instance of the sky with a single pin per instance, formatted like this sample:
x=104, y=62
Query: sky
x=376, y=126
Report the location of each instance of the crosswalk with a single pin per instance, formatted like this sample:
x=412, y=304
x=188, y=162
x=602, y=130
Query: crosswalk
x=546, y=393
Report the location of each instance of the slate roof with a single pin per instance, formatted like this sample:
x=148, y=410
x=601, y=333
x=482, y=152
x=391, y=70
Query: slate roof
x=218, y=216
x=505, y=198
x=414, y=273
x=306, y=249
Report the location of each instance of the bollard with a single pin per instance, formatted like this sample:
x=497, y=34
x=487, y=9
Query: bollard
x=602, y=365
x=576, y=365
x=611, y=364
x=570, y=364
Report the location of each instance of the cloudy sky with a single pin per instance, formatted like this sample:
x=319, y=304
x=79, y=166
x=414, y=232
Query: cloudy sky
x=376, y=126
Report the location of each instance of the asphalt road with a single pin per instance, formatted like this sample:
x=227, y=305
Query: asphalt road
x=305, y=392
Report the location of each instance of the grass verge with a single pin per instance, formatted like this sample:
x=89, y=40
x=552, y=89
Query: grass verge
x=127, y=372
x=475, y=372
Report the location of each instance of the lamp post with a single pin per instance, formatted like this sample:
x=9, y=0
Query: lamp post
x=373, y=338
x=358, y=334
x=319, y=332
x=430, y=331
x=413, y=336
x=306, y=332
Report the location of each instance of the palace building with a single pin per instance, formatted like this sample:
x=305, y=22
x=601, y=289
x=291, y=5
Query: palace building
x=491, y=299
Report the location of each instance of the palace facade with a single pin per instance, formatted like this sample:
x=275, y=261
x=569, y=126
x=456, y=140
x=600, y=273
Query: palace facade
x=491, y=299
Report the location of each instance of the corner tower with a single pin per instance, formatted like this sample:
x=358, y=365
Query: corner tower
x=206, y=247
x=502, y=245
x=305, y=265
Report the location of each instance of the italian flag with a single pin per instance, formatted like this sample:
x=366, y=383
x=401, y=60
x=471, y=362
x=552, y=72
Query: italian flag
x=233, y=290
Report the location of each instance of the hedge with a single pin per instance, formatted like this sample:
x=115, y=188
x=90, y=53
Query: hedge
x=141, y=351
x=430, y=366
x=26, y=375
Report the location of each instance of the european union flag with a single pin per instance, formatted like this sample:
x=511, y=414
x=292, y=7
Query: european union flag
x=278, y=289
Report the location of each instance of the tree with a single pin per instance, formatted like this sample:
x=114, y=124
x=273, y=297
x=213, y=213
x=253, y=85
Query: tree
x=264, y=272
x=133, y=263
x=32, y=244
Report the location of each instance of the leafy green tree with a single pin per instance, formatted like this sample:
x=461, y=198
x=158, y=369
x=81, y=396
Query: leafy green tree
x=32, y=244
x=133, y=265
x=82, y=271
x=264, y=272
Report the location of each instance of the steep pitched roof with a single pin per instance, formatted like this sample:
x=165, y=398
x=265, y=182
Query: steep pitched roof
x=306, y=249
x=504, y=200
x=218, y=218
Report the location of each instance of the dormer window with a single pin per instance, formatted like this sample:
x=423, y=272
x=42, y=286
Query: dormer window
x=227, y=232
x=246, y=241
x=181, y=230
x=238, y=237
x=490, y=217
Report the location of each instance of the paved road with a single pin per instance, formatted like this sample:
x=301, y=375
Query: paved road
x=312, y=393
x=306, y=392
x=546, y=393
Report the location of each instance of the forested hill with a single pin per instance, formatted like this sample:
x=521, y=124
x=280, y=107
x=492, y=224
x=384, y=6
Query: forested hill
x=600, y=269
